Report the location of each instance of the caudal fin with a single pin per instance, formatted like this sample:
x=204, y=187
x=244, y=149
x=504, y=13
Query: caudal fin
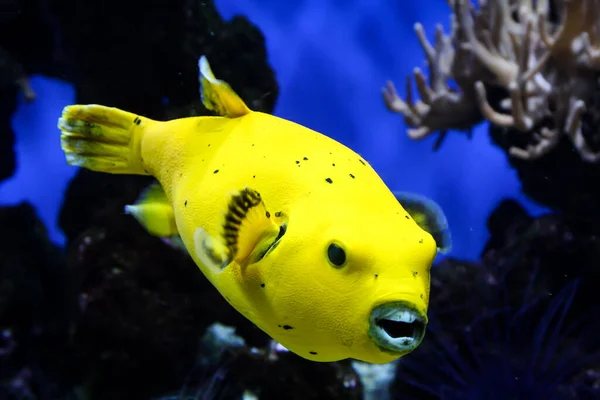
x=102, y=138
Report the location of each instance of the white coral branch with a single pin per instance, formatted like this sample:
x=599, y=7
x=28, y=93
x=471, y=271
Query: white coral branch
x=513, y=45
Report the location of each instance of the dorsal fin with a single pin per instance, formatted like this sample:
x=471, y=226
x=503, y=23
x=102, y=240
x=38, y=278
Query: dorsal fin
x=248, y=232
x=217, y=95
x=429, y=216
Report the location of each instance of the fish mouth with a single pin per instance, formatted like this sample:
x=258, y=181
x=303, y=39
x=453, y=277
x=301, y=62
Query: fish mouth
x=397, y=327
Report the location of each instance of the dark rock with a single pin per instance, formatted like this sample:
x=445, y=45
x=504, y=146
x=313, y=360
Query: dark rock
x=36, y=310
x=292, y=377
x=129, y=55
x=144, y=307
x=92, y=197
x=277, y=375
x=26, y=47
x=8, y=104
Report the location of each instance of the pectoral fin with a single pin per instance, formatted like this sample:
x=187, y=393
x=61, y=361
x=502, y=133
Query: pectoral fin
x=429, y=216
x=248, y=232
x=217, y=95
x=154, y=212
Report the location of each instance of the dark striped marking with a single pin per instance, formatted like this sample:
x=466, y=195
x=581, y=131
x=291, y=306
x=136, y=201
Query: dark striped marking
x=239, y=206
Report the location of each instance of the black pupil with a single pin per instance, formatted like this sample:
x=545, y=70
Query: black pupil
x=336, y=255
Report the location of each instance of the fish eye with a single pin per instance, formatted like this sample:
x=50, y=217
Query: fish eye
x=336, y=255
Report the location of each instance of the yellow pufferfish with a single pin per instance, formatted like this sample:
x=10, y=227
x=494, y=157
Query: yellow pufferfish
x=295, y=230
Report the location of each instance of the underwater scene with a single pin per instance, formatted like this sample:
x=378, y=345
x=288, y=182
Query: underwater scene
x=314, y=199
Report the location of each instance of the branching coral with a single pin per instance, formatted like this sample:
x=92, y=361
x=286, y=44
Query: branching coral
x=546, y=67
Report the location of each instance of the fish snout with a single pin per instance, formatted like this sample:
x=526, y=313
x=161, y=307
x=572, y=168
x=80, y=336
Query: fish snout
x=397, y=327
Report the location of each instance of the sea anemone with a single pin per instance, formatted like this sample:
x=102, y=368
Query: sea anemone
x=538, y=351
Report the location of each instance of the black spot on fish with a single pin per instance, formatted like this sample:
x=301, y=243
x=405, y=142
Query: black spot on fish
x=254, y=176
x=145, y=170
x=421, y=296
x=287, y=327
x=305, y=159
x=330, y=153
x=297, y=162
x=203, y=160
x=185, y=204
x=278, y=214
x=333, y=165
x=252, y=144
x=376, y=276
x=268, y=214
x=137, y=121
x=329, y=180
x=352, y=176
x=362, y=162
x=209, y=145
x=407, y=217
x=415, y=273
x=421, y=241
x=262, y=285
x=314, y=353
x=216, y=170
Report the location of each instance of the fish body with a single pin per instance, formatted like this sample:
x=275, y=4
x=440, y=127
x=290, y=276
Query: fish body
x=295, y=230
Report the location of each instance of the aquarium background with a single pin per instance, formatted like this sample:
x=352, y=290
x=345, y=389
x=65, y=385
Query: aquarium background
x=331, y=59
x=92, y=307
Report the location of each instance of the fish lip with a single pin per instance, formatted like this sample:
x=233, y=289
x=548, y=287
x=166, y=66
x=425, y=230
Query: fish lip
x=409, y=320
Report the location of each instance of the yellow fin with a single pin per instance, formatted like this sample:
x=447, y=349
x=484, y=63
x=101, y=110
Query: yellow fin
x=104, y=139
x=217, y=95
x=154, y=212
x=429, y=216
x=212, y=252
x=249, y=232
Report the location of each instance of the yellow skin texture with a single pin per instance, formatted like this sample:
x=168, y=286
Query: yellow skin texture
x=326, y=193
x=388, y=254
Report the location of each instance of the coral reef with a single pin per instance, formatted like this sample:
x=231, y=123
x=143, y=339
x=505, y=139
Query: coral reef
x=269, y=375
x=531, y=69
x=36, y=308
x=542, y=54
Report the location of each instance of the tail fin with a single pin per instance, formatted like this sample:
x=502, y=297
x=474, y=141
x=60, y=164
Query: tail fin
x=102, y=138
